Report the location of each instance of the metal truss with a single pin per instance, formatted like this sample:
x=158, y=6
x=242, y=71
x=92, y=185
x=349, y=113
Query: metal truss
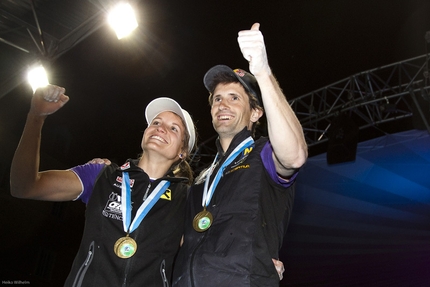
x=385, y=94
x=369, y=98
x=36, y=31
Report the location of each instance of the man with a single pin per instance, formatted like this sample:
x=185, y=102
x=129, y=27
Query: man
x=239, y=208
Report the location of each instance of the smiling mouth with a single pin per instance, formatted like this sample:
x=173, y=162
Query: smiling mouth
x=224, y=117
x=159, y=138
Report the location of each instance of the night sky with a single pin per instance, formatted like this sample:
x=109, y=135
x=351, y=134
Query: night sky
x=310, y=44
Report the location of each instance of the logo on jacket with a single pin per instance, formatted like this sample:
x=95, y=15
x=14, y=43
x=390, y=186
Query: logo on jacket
x=125, y=166
x=119, y=179
x=239, y=162
x=242, y=157
x=167, y=195
x=112, y=208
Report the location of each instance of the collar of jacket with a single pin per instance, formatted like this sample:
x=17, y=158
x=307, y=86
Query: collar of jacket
x=169, y=176
x=237, y=139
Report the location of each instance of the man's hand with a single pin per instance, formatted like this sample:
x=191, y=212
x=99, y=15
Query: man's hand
x=251, y=43
x=98, y=160
x=279, y=267
x=48, y=100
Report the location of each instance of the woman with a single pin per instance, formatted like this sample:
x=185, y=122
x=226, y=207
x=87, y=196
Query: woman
x=134, y=214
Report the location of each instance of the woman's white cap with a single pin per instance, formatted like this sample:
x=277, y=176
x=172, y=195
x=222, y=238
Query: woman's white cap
x=163, y=104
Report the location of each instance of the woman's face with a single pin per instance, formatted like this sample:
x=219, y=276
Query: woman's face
x=165, y=135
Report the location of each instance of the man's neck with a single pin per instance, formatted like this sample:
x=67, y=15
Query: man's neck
x=225, y=142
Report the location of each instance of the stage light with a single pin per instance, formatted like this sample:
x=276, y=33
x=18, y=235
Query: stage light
x=122, y=19
x=37, y=77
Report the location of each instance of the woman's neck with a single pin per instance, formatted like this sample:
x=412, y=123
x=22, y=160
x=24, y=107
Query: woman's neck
x=155, y=166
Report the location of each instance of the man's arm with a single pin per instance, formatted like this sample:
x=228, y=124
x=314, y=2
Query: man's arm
x=285, y=131
x=25, y=179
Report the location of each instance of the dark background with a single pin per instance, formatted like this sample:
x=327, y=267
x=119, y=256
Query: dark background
x=310, y=44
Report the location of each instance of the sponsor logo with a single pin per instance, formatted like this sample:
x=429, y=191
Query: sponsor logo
x=240, y=73
x=247, y=150
x=239, y=163
x=167, y=195
x=243, y=166
x=119, y=179
x=243, y=156
x=125, y=166
x=112, y=208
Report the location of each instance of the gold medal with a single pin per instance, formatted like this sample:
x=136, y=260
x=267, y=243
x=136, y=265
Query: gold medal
x=125, y=247
x=202, y=221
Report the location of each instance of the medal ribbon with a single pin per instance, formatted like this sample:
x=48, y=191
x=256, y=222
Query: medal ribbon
x=208, y=192
x=143, y=209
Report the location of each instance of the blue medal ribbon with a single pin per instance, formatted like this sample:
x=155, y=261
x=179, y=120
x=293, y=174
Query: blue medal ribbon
x=143, y=209
x=208, y=192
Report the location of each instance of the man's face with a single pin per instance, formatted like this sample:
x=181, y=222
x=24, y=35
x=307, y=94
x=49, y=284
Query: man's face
x=230, y=109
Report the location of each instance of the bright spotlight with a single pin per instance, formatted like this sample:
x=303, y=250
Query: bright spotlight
x=37, y=77
x=122, y=19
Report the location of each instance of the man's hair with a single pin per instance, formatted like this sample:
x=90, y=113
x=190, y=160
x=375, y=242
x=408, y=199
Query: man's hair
x=223, y=78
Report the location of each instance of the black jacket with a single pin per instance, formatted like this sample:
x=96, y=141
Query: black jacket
x=250, y=216
x=157, y=236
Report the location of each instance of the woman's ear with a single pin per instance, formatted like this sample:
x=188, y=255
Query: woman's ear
x=183, y=155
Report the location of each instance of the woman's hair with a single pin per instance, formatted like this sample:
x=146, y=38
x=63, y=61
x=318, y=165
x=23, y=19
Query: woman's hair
x=183, y=169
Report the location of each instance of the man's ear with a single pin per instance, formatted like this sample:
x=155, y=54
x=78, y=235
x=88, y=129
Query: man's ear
x=256, y=114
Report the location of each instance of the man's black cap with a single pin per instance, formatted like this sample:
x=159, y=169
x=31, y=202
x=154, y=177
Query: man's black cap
x=248, y=80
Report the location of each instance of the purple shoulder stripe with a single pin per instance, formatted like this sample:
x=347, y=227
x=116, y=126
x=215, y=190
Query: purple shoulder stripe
x=87, y=173
x=266, y=156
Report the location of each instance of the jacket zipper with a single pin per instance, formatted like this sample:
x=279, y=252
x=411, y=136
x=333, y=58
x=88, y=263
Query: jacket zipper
x=163, y=274
x=192, y=259
x=84, y=267
x=128, y=265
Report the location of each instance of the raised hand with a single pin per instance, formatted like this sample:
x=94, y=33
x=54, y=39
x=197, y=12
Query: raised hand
x=251, y=43
x=48, y=100
x=98, y=160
